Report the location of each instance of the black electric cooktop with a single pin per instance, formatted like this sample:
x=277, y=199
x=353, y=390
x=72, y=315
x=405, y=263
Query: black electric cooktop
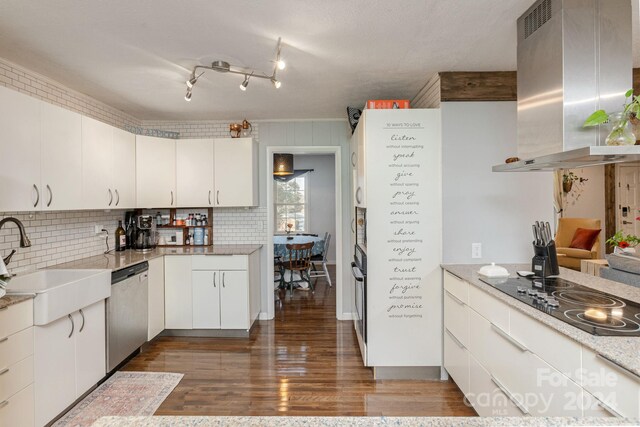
x=592, y=311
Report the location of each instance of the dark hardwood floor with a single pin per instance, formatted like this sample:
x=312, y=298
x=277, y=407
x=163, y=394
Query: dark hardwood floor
x=304, y=362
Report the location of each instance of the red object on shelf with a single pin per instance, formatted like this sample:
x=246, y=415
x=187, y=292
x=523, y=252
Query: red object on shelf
x=387, y=104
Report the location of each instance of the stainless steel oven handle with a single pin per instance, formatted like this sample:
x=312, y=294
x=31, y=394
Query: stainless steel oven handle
x=357, y=274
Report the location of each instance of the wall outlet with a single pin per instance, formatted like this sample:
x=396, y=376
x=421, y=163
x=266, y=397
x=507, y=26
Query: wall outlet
x=476, y=250
x=98, y=228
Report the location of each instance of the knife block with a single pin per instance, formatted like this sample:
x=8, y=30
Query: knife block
x=545, y=260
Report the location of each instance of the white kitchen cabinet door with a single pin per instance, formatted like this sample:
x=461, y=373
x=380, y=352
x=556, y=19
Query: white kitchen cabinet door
x=360, y=191
x=19, y=410
x=90, y=352
x=20, y=152
x=97, y=164
x=456, y=361
x=178, y=301
x=124, y=169
x=155, y=172
x=54, y=369
x=156, y=297
x=61, y=148
x=206, y=299
x=194, y=172
x=234, y=300
x=236, y=172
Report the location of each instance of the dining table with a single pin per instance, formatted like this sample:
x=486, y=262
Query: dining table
x=280, y=243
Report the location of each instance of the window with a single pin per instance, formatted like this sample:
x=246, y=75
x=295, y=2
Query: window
x=291, y=205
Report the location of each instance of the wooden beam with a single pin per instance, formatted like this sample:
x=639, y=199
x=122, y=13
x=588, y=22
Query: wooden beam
x=478, y=86
x=636, y=81
x=609, y=204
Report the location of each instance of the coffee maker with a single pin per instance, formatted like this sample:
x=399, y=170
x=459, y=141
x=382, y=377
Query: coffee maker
x=144, y=234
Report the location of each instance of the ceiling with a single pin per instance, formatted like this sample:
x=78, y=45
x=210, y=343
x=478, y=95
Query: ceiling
x=136, y=55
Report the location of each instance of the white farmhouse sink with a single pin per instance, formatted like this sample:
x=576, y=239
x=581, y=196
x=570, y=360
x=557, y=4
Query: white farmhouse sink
x=61, y=292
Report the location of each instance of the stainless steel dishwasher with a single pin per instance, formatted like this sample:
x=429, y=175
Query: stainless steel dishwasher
x=127, y=313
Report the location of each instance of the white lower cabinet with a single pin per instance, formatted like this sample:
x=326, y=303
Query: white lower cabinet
x=508, y=364
x=16, y=365
x=212, y=291
x=156, y=298
x=69, y=359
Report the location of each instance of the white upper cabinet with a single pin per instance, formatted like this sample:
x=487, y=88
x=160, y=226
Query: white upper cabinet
x=20, y=152
x=124, y=169
x=194, y=172
x=155, y=172
x=61, y=150
x=236, y=172
x=97, y=164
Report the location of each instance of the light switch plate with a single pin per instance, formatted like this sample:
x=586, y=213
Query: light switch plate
x=476, y=250
x=98, y=228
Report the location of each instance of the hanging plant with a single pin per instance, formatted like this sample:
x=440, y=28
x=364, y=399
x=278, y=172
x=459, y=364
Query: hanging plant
x=621, y=131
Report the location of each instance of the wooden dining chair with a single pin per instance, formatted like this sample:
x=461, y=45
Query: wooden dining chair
x=300, y=261
x=322, y=258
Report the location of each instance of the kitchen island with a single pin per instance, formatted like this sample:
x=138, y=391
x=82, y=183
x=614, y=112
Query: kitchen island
x=496, y=344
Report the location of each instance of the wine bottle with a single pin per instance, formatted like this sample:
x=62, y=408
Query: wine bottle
x=121, y=238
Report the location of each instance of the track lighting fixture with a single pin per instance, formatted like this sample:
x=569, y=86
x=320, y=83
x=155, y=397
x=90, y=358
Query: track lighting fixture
x=244, y=84
x=225, y=67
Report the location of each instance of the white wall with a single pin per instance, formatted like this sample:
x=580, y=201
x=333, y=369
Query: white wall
x=480, y=206
x=322, y=196
x=590, y=203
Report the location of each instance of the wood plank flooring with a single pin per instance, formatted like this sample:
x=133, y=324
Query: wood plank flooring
x=303, y=363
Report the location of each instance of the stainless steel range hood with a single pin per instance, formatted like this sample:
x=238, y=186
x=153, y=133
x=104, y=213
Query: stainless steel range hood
x=574, y=57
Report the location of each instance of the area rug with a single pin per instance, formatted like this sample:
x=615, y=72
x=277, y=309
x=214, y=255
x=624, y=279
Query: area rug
x=124, y=394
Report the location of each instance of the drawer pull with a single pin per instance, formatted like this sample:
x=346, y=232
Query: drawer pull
x=3, y=404
x=4, y=339
x=608, y=408
x=622, y=369
x=456, y=299
x=4, y=371
x=455, y=340
x=507, y=337
x=509, y=395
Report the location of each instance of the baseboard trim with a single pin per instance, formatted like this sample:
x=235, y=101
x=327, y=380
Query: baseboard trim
x=206, y=333
x=407, y=373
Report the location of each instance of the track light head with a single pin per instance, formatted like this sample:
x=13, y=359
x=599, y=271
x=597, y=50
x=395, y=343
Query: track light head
x=245, y=83
x=192, y=81
x=281, y=64
x=276, y=83
x=187, y=97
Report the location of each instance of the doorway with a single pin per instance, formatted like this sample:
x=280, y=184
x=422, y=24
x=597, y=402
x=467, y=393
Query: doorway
x=335, y=251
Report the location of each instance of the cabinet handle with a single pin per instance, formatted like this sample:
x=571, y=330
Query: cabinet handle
x=214, y=279
x=353, y=158
x=353, y=225
x=507, y=337
x=608, y=408
x=117, y=197
x=81, y=327
x=50, y=196
x=35, y=187
x=223, y=284
x=357, y=196
x=4, y=371
x=171, y=197
x=455, y=340
x=456, y=299
x=72, y=325
x=3, y=404
x=622, y=369
x=509, y=395
x=218, y=197
x=209, y=196
x=110, y=197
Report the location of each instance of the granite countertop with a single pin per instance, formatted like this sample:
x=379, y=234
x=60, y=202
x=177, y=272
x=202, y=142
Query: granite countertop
x=8, y=300
x=118, y=260
x=174, y=421
x=624, y=351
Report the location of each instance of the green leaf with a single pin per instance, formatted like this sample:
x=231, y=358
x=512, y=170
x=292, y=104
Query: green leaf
x=597, y=118
x=629, y=93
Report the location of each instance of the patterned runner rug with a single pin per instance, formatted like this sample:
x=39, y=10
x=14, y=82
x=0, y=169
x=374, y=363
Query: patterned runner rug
x=124, y=394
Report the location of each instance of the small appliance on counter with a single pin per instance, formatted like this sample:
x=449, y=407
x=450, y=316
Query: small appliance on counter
x=493, y=271
x=145, y=236
x=545, y=260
